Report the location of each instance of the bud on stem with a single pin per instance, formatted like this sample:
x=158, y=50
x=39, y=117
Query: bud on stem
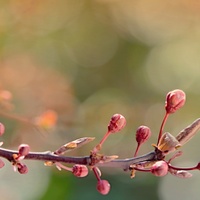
x=116, y=124
x=103, y=187
x=160, y=168
x=142, y=135
x=174, y=100
x=23, y=149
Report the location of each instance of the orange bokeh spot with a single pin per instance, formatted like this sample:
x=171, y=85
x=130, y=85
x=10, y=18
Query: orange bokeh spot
x=47, y=119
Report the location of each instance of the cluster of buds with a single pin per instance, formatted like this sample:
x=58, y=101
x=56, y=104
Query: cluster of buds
x=166, y=142
x=77, y=170
x=162, y=167
x=116, y=124
x=153, y=162
x=23, y=150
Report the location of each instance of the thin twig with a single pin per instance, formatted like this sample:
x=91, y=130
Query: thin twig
x=85, y=160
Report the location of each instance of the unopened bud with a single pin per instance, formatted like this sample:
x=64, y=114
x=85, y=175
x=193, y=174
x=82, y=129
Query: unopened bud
x=117, y=123
x=160, y=168
x=142, y=134
x=80, y=170
x=2, y=129
x=23, y=149
x=22, y=168
x=103, y=187
x=180, y=173
x=174, y=100
x=1, y=163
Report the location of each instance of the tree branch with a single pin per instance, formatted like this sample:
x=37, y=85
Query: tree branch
x=85, y=160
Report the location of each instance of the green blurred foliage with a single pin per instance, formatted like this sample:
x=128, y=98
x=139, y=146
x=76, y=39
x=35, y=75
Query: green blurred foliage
x=67, y=187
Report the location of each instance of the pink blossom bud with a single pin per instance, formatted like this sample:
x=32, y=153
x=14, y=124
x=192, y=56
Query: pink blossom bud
x=2, y=129
x=1, y=163
x=174, y=100
x=142, y=134
x=23, y=149
x=160, y=168
x=22, y=168
x=80, y=170
x=103, y=186
x=117, y=123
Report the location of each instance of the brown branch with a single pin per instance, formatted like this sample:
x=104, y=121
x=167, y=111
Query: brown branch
x=85, y=160
x=45, y=156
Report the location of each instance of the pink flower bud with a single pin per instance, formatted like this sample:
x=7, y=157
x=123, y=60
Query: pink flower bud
x=117, y=123
x=2, y=129
x=103, y=186
x=160, y=168
x=23, y=149
x=80, y=170
x=142, y=134
x=1, y=163
x=174, y=100
x=22, y=168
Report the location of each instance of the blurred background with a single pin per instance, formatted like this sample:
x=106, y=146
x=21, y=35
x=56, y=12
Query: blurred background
x=84, y=61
